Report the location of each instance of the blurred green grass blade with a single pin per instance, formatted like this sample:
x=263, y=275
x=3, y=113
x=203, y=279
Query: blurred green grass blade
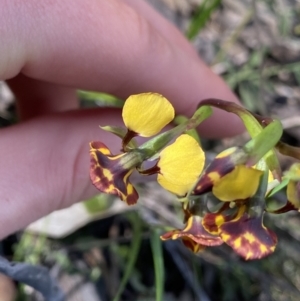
x=134, y=250
x=249, y=95
x=250, y=74
x=232, y=38
x=202, y=15
x=156, y=246
x=257, y=57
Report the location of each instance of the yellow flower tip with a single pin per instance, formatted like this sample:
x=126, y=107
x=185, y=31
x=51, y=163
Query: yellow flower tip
x=248, y=237
x=180, y=163
x=99, y=146
x=241, y=183
x=227, y=152
x=147, y=114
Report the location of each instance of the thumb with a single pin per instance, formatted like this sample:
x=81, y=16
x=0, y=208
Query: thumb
x=45, y=164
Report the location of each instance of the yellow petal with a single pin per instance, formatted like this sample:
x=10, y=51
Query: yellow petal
x=180, y=164
x=293, y=193
x=147, y=113
x=241, y=183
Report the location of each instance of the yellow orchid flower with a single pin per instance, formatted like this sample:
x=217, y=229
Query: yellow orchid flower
x=146, y=114
x=180, y=164
x=220, y=166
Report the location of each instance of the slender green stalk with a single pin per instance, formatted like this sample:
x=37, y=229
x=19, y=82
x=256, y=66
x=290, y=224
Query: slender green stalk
x=157, y=143
x=156, y=246
x=134, y=250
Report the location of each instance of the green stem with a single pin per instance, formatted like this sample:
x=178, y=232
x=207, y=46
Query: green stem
x=155, y=145
x=257, y=202
x=134, y=250
x=156, y=246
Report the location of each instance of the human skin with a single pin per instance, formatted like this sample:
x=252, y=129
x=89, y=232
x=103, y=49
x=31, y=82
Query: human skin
x=51, y=48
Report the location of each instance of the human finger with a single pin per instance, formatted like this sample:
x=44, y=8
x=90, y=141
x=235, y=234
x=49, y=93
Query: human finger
x=120, y=52
x=35, y=97
x=45, y=164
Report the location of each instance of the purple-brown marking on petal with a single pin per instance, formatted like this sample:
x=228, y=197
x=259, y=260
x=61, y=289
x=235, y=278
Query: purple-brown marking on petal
x=217, y=169
x=108, y=175
x=192, y=245
x=194, y=231
x=212, y=221
x=127, y=138
x=249, y=237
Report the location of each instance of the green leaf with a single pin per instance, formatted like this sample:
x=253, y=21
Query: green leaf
x=279, y=187
x=263, y=142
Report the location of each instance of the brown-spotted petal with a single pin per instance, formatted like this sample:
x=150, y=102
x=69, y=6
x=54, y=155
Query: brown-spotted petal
x=212, y=221
x=224, y=163
x=192, y=245
x=248, y=237
x=193, y=234
x=110, y=174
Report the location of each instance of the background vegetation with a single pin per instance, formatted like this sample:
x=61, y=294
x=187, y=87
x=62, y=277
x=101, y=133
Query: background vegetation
x=117, y=253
